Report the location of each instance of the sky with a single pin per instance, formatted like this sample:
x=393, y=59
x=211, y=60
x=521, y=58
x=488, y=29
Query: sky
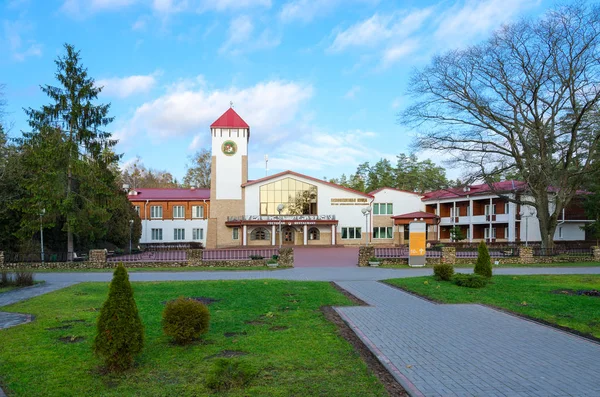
x=322, y=83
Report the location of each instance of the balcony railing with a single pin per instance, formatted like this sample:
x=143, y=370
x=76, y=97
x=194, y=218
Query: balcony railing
x=282, y=217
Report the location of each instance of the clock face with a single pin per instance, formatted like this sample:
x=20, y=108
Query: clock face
x=229, y=148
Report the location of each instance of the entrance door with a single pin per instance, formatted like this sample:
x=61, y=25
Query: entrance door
x=288, y=236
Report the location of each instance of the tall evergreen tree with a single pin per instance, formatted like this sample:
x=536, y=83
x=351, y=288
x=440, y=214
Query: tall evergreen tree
x=78, y=184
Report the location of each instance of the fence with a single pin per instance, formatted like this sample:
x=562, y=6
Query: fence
x=32, y=257
x=150, y=256
x=563, y=252
x=237, y=254
x=402, y=252
x=496, y=252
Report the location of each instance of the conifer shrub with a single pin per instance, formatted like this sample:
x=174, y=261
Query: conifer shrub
x=443, y=272
x=483, y=266
x=185, y=320
x=120, y=332
x=470, y=280
x=226, y=374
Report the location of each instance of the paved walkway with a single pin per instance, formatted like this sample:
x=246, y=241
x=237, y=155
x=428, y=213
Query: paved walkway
x=469, y=350
x=331, y=257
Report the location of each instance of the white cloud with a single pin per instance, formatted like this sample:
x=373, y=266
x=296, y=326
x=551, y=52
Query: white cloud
x=122, y=87
x=267, y=107
x=379, y=28
x=224, y=5
x=176, y=6
x=140, y=24
x=351, y=94
x=241, y=38
x=18, y=47
x=307, y=10
x=395, y=53
x=81, y=8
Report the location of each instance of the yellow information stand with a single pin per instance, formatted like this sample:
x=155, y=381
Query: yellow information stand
x=416, y=244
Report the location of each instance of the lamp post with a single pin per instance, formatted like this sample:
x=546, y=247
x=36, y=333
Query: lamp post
x=42, y=212
x=526, y=215
x=366, y=211
x=280, y=208
x=130, y=233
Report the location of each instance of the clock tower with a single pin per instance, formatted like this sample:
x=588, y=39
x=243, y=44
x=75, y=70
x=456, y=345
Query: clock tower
x=229, y=171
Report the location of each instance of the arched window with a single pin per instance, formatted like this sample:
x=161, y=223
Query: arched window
x=260, y=234
x=314, y=234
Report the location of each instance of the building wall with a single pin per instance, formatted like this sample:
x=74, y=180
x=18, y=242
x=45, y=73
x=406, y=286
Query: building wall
x=167, y=208
x=167, y=227
x=229, y=175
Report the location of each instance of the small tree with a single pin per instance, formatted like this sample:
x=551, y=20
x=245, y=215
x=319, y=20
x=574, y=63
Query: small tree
x=120, y=333
x=185, y=319
x=483, y=266
x=456, y=234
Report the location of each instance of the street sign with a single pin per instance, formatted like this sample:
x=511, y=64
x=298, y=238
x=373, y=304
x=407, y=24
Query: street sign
x=416, y=243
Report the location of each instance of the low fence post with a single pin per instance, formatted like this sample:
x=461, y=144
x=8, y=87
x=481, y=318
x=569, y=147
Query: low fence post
x=526, y=255
x=98, y=257
x=364, y=253
x=1, y=259
x=595, y=253
x=195, y=257
x=286, y=256
x=448, y=256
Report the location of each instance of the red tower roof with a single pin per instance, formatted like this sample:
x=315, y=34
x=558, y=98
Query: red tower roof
x=230, y=119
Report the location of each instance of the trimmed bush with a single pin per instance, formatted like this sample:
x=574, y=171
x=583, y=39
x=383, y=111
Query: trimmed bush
x=23, y=278
x=470, y=280
x=185, y=320
x=120, y=332
x=443, y=272
x=483, y=266
x=226, y=374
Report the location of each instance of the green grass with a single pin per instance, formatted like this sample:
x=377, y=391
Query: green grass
x=566, y=264
x=6, y=289
x=306, y=359
x=164, y=269
x=528, y=295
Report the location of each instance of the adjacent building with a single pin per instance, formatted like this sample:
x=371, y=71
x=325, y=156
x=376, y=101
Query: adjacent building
x=289, y=208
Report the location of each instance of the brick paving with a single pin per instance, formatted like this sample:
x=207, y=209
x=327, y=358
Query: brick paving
x=329, y=257
x=469, y=350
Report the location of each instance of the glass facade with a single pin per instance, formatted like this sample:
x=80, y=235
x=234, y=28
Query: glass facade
x=299, y=198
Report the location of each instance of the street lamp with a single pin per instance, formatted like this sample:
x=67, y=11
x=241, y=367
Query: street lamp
x=280, y=208
x=42, y=212
x=526, y=215
x=130, y=233
x=366, y=211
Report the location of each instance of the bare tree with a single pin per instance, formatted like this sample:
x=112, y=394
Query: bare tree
x=526, y=101
x=198, y=172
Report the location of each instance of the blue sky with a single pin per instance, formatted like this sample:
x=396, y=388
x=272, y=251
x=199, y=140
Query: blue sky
x=321, y=82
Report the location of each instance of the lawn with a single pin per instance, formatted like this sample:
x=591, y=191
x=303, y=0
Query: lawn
x=539, y=297
x=295, y=350
x=566, y=264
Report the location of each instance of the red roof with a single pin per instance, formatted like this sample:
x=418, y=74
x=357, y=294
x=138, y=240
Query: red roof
x=230, y=119
x=391, y=188
x=418, y=215
x=306, y=177
x=169, y=194
x=473, y=190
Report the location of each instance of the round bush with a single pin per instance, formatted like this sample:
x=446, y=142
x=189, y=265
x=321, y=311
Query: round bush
x=185, y=320
x=443, y=272
x=470, y=280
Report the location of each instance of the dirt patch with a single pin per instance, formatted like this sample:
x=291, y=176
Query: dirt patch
x=393, y=388
x=354, y=299
x=227, y=354
x=92, y=309
x=278, y=328
x=581, y=292
x=73, y=321
x=256, y=322
x=232, y=334
x=71, y=339
x=202, y=299
x=62, y=327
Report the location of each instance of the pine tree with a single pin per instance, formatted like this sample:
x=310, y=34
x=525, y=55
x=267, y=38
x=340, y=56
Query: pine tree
x=120, y=332
x=483, y=266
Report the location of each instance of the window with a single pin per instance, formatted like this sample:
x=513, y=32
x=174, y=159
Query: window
x=506, y=232
x=382, y=232
x=468, y=233
x=236, y=233
x=560, y=234
x=178, y=234
x=155, y=211
x=137, y=209
x=486, y=233
x=490, y=209
x=468, y=211
x=197, y=211
x=178, y=211
x=406, y=232
x=314, y=234
x=197, y=234
x=351, y=233
x=260, y=234
x=298, y=198
x=506, y=208
x=157, y=234
x=454, y=211
x=383, y=209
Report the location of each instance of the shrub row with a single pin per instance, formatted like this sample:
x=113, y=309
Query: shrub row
x=21, y=278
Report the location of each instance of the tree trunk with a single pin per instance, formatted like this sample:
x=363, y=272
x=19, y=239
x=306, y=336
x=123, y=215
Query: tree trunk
x=547, y=221
x=69, y=231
